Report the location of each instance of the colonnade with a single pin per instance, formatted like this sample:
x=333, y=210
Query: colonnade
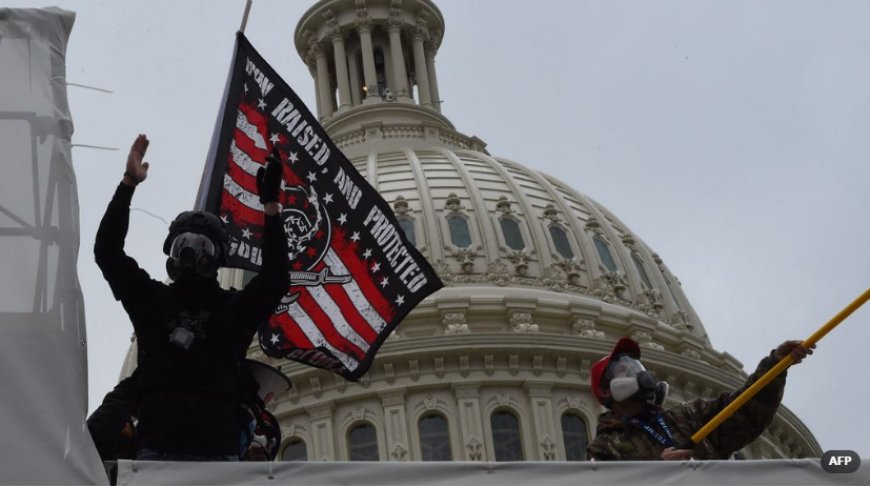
x=382, y=47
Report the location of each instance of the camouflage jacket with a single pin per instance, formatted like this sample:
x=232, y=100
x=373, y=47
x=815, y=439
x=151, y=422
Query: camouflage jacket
x=619, y=439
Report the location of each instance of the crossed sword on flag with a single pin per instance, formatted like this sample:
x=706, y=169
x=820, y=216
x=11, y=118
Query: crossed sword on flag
x=304, y=278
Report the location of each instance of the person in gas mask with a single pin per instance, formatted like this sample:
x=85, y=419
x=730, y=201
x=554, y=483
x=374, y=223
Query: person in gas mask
x=191, y=334
x=637, y=427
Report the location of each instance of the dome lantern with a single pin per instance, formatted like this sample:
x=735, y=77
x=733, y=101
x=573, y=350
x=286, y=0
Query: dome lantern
x=373, y=63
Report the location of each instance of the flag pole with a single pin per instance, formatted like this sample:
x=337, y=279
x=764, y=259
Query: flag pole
x=245, y=16
x=777, y=369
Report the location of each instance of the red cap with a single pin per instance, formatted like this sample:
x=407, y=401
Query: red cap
x=625, y=345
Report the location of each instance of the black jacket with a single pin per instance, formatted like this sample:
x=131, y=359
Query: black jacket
x=189, y=398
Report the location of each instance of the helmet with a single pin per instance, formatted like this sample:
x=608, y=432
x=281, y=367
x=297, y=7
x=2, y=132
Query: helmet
x=197, y=244
x=203, y=223
x=622, y=373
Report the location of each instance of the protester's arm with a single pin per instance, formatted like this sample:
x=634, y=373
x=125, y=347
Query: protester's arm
x=262, y=295
x=748, y=422
x=602, y=450
x=120, y=270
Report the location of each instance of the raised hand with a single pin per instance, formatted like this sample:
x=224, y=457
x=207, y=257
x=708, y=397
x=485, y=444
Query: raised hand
x=137, y=170
x=269, y=179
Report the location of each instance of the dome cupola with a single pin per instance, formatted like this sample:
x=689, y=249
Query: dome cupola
x=540, y=279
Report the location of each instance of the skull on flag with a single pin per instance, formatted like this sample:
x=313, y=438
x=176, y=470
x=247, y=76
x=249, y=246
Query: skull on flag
x=307, y=226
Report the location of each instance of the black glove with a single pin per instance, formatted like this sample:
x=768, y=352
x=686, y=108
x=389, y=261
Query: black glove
x=269, y=179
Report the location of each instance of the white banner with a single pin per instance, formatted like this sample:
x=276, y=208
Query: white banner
x=43, y=356
x=807, y=471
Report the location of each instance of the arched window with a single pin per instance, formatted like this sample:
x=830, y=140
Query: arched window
x=459, y=233
x=641, y=270
x=512, y=235
x=434, y=438
x=408, y=228
x=604, y=253
x=574, y=436
x=506, y=439
x=560, y=240
x=295, y=451
x=363, y=444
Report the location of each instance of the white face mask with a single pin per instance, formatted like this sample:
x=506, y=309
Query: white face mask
x=626, y=371
x=623, y=387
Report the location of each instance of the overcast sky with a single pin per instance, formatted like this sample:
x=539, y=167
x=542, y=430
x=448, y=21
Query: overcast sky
x=731, y=137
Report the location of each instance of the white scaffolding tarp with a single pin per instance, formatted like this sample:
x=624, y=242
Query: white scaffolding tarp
x=728, y=472
x=43, y=356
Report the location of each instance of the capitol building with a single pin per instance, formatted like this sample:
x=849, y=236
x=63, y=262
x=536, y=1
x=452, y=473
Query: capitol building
x=540, y=280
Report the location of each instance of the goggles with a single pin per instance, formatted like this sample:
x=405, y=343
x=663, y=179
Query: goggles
x=625, y=366
x=629, y=378
x=194, y=252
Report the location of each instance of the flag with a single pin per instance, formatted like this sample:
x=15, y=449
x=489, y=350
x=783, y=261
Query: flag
x=354, y=275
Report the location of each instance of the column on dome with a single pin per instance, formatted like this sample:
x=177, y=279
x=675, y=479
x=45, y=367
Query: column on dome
x=540, y=395
x=420, y=68
x=400, y=75
x=471, y=439
x=323, y=87
x=396, y=426
x=341, y=74
x=353, y=67
x=312, y=68
x=321, y=433
x=433, y=79
x=364, y=27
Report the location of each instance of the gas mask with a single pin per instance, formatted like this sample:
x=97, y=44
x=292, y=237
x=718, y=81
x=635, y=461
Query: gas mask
x=192, y=255
x=631, y=380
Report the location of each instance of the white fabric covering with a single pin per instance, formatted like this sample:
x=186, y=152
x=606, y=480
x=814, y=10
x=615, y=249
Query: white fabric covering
x=731, y=472
x=43, y=356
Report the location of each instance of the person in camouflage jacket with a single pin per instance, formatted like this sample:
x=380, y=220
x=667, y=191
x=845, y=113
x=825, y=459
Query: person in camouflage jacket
x=636, y=427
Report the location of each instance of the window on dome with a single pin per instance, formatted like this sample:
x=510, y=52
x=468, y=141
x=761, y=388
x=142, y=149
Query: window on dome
x=295, y=451
x=512, y=235
x=459, y=233
x=560, y=240
x=363, y=444
x=604, y=254
x=574, y=437
x=641, y=269
x=408, y=228
x=506, y=439
x=434, y=438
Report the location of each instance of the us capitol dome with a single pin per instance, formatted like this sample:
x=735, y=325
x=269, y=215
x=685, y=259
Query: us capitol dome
x=540, y=279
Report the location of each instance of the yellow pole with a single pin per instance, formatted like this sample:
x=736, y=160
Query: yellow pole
x=783, y=364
